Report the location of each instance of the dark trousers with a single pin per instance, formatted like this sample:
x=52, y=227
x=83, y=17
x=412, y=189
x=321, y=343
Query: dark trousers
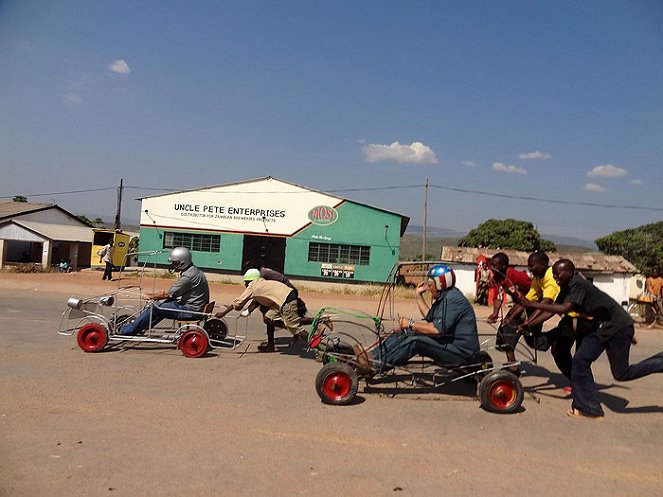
x=560, y=349
x=618, y=347
x=108, y=272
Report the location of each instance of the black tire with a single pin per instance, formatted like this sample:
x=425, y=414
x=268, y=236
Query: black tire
x=332, y=350
x=337, y=383
x=118, y=321
x=649, y=314
x=501, y=392
x=216, y=329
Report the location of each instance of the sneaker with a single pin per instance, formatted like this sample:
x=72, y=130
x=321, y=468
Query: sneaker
x=266, y=347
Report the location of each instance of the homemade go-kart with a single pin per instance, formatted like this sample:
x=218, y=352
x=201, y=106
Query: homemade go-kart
x=97, y=320
x=337, y=383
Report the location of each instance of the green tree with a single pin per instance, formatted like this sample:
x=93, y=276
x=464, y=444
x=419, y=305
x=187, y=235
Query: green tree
x=642, y=246
x=507, y=234
x=20, y=198
x=85, y=219
x=133, y=244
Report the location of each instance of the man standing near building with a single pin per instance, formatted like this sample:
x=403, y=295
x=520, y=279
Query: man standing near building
x=106, y=256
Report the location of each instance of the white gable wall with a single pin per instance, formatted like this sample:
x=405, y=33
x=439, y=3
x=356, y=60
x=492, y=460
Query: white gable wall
x=11, y=231
x=618, y=286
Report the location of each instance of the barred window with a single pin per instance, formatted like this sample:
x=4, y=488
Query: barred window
x=340, y=254
x=192, y=241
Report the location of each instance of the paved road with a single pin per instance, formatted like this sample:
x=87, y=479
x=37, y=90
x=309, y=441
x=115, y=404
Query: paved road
x=148, y=421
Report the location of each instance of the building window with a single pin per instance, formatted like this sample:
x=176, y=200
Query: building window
x=340, y=254
x=192, y=241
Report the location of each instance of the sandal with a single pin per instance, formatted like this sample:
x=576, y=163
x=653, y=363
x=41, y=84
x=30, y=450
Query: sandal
x=266, y=347
x=575, y=413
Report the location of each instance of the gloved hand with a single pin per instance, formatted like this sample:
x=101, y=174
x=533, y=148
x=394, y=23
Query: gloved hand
x=245, y=313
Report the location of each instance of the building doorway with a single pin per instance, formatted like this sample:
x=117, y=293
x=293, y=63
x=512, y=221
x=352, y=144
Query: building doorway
x=263, y=251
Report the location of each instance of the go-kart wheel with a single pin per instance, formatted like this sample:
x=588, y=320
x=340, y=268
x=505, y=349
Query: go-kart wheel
x=119, y=321
x=336, y=383
x=193, y=343
x=216, y=329
x=92, y=337
x=649, y=314
x=501, y=392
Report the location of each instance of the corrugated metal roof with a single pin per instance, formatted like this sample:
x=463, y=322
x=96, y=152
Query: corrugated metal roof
x=58, y=232
x=9, y=209
x=584, y=261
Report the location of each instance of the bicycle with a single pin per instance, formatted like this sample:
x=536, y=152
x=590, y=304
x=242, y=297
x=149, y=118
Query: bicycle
x=646, y=309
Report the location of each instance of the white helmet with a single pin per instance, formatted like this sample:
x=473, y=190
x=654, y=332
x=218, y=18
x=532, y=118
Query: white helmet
x=179, y=258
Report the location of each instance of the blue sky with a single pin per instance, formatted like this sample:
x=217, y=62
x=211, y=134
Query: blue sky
x=552, y=100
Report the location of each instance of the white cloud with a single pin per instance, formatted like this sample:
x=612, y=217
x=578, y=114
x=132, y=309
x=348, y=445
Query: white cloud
x=536, y=155
x=607, y=171
x=120, y=67
x=469, y=163
x=506, y=168
x=72, y=98
x=593, y=187
x=637, y=182
x=417, y=153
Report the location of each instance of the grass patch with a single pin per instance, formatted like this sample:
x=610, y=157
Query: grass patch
x=29, y=267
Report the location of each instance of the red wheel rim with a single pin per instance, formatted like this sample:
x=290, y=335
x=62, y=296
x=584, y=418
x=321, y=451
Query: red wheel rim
x=193, y=344
x=337, y=385
x=92, y=337
x=502, y=394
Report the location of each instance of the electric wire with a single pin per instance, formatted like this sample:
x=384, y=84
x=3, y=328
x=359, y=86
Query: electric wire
x=371, y=189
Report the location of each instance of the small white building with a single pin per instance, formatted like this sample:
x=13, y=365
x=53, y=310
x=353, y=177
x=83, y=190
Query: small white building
x=610, y=273
x=43, y=233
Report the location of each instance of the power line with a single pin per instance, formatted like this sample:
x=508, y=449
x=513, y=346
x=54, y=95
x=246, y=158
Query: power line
x=62, y=193
x=378, y=188
x=549, y=201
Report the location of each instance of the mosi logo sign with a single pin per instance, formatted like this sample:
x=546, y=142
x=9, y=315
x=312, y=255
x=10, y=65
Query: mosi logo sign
x=323, y=215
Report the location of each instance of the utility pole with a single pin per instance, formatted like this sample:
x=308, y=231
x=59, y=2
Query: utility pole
x=118, y=210
x=423, y=238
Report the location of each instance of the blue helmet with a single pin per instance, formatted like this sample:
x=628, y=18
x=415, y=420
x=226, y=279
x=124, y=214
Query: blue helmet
x=443, y=276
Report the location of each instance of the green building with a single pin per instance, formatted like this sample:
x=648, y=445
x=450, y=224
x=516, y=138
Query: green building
x=301, y=232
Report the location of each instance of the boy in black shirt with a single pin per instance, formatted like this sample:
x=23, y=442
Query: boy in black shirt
x=614, y=334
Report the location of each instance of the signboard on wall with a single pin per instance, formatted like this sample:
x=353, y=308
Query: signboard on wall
x=346, y=271
x=266, y=206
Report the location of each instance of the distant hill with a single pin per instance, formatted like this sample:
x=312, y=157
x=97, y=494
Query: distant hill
x=436, y=238
x=569, y=241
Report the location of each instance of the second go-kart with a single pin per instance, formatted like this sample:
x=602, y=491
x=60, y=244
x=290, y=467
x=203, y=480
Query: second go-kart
x=354, y=333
